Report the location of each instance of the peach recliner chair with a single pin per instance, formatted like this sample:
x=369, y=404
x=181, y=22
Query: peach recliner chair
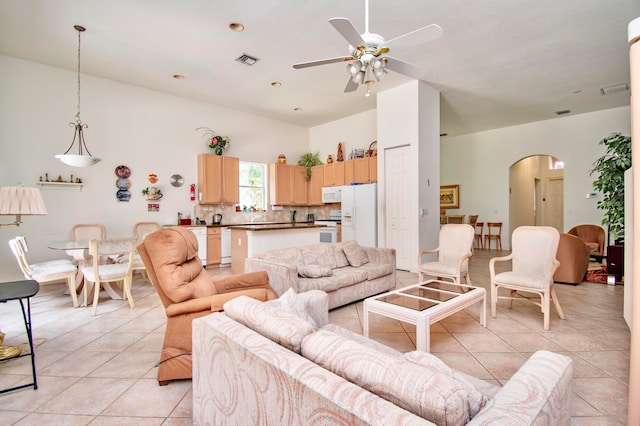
x=593, y=236
x=187, y=292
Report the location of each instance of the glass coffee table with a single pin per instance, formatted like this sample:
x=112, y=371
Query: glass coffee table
x=423, y=304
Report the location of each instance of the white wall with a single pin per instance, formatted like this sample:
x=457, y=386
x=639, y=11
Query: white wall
x=480, y=162
x=148, y=131
x=356, y=131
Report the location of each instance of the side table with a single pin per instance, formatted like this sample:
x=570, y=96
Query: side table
x=22, y=291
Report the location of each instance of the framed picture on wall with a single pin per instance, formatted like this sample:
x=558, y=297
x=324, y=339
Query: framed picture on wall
x=450, y=196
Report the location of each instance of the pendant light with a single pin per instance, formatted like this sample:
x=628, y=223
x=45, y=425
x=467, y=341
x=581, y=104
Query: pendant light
x=80, y=159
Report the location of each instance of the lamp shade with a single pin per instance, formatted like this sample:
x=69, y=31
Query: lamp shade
x=19, y=200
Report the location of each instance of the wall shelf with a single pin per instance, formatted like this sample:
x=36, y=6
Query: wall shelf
x=61, y=185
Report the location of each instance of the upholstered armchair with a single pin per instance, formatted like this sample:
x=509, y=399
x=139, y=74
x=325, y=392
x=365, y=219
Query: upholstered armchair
x=187, y=292
x=593, y=236
x=573, y=255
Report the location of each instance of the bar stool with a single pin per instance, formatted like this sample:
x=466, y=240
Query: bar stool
x=494, y=230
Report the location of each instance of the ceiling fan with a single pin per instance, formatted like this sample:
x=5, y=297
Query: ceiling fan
x=368, y=60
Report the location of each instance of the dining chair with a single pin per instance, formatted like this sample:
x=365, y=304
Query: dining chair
x=22, y=240
x=46, y=271
x=533, y=263
x=99, y=273
x=455, y=218
x=473, y=218
x=140, y=231
x=494, y=232
x=85, y=232
x=477, y=238
x=454, y=251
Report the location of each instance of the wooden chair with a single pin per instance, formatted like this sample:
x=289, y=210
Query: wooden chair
x=455, y=218
x=533, y=264
x=494, y=232
x=473, y=218
x=477, y=237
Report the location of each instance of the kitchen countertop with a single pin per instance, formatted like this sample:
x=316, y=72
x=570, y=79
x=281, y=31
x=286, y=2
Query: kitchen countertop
x=259, y=225
x=276, y=226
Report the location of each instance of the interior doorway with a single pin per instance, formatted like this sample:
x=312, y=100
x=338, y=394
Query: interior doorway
x=536, y=192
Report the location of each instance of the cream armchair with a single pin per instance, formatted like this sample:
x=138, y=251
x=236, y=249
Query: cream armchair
x=454, y=251
x=533, y=260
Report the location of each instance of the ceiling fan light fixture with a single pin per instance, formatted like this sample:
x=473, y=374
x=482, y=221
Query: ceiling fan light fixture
x=352, y=69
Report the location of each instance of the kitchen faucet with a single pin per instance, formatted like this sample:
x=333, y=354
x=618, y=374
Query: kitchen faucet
x=293, y=216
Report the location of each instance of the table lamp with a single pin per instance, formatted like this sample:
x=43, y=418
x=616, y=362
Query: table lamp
x=18, y=201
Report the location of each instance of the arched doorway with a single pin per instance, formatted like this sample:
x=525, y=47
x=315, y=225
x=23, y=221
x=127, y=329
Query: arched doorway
x=536, y=192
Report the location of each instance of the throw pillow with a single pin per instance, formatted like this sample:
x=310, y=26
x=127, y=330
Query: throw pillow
x=355, y=254
x=284, y=328
x=475, y=399
x=314, y=271
x=291, y=303
x=425, y=392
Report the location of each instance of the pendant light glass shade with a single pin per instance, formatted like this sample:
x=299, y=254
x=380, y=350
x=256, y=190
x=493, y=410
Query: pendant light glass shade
x=80, y=159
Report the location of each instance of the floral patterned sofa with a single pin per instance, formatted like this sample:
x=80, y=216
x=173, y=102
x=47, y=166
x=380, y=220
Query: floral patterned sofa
x=346, y=271
x=280, y=362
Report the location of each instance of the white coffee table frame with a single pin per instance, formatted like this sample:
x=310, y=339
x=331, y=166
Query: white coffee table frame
x=465, y=296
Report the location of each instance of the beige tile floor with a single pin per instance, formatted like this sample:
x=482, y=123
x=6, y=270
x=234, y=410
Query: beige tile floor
x=101, y=370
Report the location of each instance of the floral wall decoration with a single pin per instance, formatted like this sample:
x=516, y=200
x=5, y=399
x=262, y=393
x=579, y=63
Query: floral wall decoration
x=123, y=183
x=152, y=193
x=215, y=141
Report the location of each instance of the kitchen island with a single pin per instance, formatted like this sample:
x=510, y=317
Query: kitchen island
x=248, y=240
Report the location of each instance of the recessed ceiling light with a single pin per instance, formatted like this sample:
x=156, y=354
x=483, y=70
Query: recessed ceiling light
x=297, y=109
x=563, y=112
x=236, y=26
x=178, y=76
x=444, y=134
x=616, y=88
x=276, y=84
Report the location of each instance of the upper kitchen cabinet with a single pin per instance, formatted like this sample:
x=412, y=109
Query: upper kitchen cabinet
x=314, y=193
x=218, y=179
x=361, y=170
x=287, y=185
x=334, y=174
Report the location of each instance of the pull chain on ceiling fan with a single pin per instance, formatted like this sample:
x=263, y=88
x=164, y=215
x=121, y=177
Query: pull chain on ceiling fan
x=368, y=60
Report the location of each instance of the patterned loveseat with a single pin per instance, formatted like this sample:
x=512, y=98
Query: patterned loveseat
x=346, y=271
x=279, y=362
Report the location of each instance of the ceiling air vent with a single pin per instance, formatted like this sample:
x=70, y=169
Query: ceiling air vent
x=246, y=59
x=616, y=88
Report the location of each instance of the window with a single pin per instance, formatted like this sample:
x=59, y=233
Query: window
x=253, y=185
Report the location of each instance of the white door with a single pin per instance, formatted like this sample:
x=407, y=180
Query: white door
x=397, y=205
x=554, y=205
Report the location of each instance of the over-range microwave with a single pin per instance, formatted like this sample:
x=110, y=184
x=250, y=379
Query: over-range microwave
x=331, y=194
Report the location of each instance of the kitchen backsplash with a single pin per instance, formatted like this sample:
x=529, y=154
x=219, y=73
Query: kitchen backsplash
x=231, y=216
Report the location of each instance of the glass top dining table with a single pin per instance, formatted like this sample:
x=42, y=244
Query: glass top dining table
x=69, y=245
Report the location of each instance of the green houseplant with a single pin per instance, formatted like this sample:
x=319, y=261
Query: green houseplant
x=308, y=160
x=610, y=181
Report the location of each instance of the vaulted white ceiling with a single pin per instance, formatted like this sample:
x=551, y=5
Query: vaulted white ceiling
x=499, y=63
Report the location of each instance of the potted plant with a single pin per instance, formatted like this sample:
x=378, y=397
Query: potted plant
x=610, y=181
x=308, y=160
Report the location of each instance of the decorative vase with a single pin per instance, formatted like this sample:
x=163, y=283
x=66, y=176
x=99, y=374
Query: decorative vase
x=217, y=150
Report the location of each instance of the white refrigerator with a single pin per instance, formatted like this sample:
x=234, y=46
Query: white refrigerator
x=359, y=205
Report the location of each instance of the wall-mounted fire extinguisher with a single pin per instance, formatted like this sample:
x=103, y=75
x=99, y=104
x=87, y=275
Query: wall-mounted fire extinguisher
x=193, y=192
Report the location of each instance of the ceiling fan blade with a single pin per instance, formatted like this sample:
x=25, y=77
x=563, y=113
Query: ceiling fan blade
x=404, y=68
x=324, y=61
x=415, y=38
x=347, y=30
x=351, y=86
